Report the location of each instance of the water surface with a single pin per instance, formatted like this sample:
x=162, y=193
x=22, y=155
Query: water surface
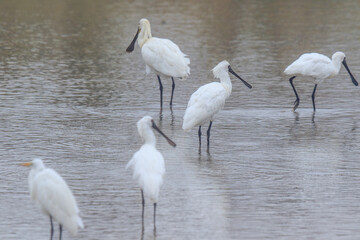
x=71, y=95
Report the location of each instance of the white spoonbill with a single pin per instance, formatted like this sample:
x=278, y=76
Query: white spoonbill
x=53, y=196
x=148, y=163
x=319, y=67
x=209, y=99
x=160, y=55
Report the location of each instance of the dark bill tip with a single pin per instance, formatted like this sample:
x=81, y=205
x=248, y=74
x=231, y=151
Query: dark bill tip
x=132, y=44
x=234, y=73
x=351, y=76
x=162, y=134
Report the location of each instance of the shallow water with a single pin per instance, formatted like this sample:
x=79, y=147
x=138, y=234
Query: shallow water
x=70, y=94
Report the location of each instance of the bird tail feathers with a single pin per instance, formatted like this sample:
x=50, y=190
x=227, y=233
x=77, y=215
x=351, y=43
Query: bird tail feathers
x=190, y=120
x=73, y=224
x=80, y=222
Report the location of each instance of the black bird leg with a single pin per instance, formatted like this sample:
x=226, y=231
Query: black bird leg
x=52, y=228
x=154, y=215
x=161, y=92
x=143, y=204
x=208, y=135
x=313, y=97
x=172, y=91
x=297, y=101
x=199, y=133
x=60, y=230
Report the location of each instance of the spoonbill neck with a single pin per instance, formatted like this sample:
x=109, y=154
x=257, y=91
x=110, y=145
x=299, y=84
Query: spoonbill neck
x=337, y=65
x=144, y=35
x=226, y=82
x=148, y=137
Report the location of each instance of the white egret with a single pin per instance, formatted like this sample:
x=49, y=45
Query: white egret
x=161, y=56
x=148, y=163
x=209, y=99
x=319, y=67
x=54, y=197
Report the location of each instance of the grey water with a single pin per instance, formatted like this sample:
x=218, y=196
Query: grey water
x=70, y=94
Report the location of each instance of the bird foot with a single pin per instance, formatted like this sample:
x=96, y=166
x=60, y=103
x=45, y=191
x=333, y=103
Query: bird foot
x=296, y=104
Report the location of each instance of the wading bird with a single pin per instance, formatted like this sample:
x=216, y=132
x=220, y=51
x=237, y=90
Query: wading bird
x=54, y=197
x=161, y=56
x=148, y=163
x=319, y=67
x=209, y=99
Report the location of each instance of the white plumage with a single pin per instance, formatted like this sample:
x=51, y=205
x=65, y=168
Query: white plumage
x=205, y=103
x=53, y=196
x=148, y=163
x=209, y=99
x=165, y=58
x=319, y=67
x=148, y=170
x=316, y=65
x=161, y=56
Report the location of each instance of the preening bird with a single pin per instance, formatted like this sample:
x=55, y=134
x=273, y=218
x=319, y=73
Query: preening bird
x=54, y=197
x=148, y=163
x=209, y=99
x=161, y=56
x=319, y=67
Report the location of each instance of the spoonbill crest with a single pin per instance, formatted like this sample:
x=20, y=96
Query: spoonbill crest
x=319, y=67
x=54, y=197
x=161, y=56
x=148, y=163
x=209, y=99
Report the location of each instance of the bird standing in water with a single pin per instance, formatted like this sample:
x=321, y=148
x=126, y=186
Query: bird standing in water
x=148, y=163
x=54, y=197
x=319, y=67
x=161, y=56
x=209, y=99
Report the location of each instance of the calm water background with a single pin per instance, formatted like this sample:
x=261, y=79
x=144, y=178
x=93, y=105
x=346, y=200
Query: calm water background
x=70, y=94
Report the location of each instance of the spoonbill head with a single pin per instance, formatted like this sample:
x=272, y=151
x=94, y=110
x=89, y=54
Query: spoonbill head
x=209, y=99
x=143, y=33
x=148, y=163
x=145, y=126
x=319, y=67
x=53, y=196
x=161, y=56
